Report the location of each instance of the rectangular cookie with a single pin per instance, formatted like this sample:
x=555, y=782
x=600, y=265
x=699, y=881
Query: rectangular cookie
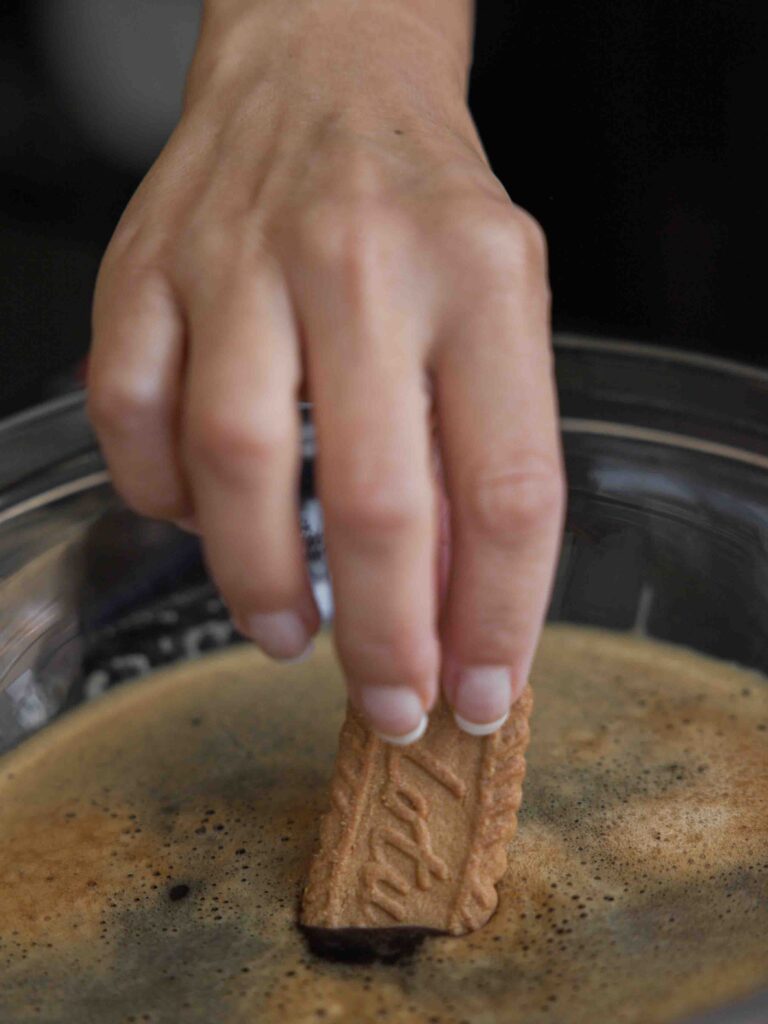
x=416, y=837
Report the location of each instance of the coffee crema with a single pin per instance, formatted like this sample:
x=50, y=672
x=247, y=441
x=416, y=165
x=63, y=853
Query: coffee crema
x=153, y=847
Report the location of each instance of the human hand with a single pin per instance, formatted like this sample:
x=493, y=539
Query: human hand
x=324, y=221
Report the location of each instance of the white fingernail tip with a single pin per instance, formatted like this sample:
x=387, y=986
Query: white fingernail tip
x=407, y=738
x=305, y=655
x=394, y=712
x=479, y=728
x=281, y=635
x=482, y=698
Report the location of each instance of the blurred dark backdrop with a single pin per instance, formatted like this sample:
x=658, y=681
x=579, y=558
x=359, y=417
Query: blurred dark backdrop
x=630, y=128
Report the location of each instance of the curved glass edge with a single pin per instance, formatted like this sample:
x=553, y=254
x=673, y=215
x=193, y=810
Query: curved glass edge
x=39, y=443
x=605, y=380
x=688, y=395
x=661, y=353
x=82, y=565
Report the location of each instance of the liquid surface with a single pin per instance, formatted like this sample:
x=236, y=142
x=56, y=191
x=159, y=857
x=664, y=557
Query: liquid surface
x=153, y=847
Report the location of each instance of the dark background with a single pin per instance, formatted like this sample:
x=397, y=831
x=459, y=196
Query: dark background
x=630, y=129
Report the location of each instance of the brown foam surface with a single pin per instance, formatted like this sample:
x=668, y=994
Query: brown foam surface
x=153, y=848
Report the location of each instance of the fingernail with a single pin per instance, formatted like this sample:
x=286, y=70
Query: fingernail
x=395, y=713
x=281, y=635
x=475, y=728
x=305, y=655
x=483, y=696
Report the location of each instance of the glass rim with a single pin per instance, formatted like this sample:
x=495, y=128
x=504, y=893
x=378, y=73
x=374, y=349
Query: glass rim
x=561, y=340
x=660, y=353
x=565, y=341
x=570, y=426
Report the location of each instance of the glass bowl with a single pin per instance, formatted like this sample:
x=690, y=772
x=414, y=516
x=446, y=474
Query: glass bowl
x=666, y=535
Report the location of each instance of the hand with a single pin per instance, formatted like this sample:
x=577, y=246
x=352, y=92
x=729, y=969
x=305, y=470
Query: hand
x=324, y=218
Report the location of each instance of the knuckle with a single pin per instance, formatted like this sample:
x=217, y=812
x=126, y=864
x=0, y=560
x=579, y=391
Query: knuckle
x=231, y=442
x=323, y=231
x=374, y=509
x=121, y=404
x=346, y=233
x=508, y=245
x=398, y=657
x=521, y=499
x=361, y=173
x=212, y=257
x=530, y=237
x=216, y=236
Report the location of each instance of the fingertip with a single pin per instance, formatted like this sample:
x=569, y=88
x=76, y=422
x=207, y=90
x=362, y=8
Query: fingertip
x=282, y=635
x=395, y=713
x=408, y=738
x=478, y=729
x=305, y=655
x=481, y=696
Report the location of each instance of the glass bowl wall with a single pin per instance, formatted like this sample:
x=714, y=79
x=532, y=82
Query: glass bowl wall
x=666, y=535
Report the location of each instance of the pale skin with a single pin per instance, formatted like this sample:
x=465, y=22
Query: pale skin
x=324, y=223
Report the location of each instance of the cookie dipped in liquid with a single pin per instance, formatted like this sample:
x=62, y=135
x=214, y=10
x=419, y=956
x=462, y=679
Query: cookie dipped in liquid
x=154, y=845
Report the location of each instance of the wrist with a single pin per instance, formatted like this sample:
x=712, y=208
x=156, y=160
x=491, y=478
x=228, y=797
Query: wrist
x=360, y=50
